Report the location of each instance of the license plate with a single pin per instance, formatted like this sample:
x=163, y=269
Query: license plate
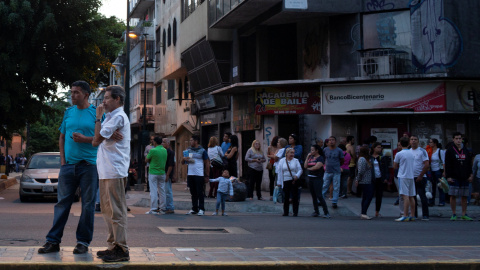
x=47, y=188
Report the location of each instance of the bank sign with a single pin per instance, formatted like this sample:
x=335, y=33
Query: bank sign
x=271, y=100
x=421, y=97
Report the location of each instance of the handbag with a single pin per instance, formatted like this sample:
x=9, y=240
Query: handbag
x=217, y=164
x=269, y=166
x=443, y=184
x=277, y=195
x=222, y=156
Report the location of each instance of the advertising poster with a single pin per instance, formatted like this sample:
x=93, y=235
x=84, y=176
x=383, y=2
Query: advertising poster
x=422, y=97
x=271, y=100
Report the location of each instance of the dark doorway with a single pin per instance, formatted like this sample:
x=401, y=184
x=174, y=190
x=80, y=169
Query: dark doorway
x=288, y=124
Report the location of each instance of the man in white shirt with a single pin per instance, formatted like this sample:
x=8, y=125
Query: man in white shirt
x=404, y=163
x=113, y=159
x=421, y=164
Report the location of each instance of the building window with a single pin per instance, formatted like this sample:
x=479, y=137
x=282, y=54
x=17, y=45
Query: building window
x=174, y=32
x=158, y=96
x=180, y=91
x=169, y=35
x=186, y=89
x=149, y=96
x=158, y=45
x=171, y=89
x=164, y=41
x=387, y=30
x=189, y=6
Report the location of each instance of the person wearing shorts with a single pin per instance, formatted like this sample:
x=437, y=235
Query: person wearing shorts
x=476, y=179
x=404, y=163
x=458, y=171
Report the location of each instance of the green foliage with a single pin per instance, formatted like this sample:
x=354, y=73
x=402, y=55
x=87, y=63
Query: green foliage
x=44, y=133
x=45, y=44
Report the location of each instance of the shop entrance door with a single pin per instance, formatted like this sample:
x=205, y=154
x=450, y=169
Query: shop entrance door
x=288, y=124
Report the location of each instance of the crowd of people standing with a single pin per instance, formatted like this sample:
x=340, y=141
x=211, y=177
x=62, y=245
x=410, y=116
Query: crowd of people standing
x=334, y=171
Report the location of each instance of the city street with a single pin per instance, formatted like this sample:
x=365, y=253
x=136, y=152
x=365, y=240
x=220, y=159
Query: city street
x=26, y=224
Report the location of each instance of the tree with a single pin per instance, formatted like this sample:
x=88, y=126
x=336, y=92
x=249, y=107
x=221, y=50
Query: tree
x=45, y=44
x=45, y=132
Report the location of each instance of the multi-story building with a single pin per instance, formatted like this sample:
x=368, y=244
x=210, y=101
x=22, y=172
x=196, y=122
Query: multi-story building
x=355, y=67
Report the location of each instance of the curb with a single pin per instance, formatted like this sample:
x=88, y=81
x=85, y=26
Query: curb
x=245, y=207
x=6, y=183
x=286, y=265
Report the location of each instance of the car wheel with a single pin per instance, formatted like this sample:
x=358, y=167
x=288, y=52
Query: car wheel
x=77, y=195
x=23, y=198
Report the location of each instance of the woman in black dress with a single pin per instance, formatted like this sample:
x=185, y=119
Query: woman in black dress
x=232, y=156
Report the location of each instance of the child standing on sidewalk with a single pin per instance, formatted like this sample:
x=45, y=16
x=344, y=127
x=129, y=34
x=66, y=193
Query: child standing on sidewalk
x=225, y=188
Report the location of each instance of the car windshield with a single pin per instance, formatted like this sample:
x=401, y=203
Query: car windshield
x=44, y=162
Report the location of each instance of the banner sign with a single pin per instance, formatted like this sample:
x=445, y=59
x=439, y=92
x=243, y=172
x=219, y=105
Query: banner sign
x=421, y=97
x=271, y=100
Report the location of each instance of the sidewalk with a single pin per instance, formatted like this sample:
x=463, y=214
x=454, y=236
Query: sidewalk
x=349, y=207
x=346, y=207
x=398, y=257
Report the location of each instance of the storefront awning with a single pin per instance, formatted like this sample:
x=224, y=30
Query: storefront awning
x=239, y=88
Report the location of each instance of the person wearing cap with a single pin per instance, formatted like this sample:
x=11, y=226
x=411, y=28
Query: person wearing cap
x=78, y=159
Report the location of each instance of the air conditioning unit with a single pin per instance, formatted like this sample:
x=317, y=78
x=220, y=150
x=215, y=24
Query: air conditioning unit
x=377, y=65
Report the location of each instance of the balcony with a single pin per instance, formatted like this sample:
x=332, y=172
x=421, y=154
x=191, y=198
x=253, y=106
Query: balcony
x=136, y=115
x=138, y=8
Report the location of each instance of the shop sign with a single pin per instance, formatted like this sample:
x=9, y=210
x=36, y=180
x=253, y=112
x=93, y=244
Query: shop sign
x=270, y=100
x=421, y=97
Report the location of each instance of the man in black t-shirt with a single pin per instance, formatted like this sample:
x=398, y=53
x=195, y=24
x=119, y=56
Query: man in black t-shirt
x=458, y=171
x=169, y=169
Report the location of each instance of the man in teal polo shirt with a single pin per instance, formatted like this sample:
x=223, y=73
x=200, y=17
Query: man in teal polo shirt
x=78, y=159
x=156, y=178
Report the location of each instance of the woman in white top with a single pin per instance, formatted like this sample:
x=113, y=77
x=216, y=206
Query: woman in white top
x=436, y=167
x=289, y=171
x=214, y=151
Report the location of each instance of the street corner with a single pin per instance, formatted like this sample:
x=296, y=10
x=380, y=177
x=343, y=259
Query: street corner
x=6, y=182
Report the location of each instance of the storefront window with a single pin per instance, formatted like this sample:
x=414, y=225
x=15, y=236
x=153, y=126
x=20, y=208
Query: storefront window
x=388, y=30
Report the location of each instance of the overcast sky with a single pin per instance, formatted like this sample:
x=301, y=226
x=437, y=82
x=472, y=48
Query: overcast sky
x=117, y=8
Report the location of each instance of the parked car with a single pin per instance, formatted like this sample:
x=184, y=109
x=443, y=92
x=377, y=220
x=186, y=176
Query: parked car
x=40, y=177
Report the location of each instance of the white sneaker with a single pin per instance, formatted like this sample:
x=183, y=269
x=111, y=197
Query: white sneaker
x=191, y=212
x=200, y=213
x=151, y=213
x=214, y=214
x=161, y=212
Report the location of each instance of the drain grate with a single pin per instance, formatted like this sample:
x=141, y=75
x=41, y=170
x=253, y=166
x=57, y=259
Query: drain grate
x=203, y=230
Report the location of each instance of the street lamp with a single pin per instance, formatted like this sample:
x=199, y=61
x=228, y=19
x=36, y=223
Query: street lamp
x=142, y=136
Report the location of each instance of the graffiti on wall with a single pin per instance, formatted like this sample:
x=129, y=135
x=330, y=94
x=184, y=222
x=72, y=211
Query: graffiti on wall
x=355, y=36
x=436, y=40
x=268, y=133
x=376, y=5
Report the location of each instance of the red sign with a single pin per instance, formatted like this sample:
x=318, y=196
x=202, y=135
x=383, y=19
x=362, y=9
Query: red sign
x=270, y=100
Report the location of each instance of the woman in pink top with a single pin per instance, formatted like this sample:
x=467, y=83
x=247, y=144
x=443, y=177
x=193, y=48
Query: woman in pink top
x=345, y=172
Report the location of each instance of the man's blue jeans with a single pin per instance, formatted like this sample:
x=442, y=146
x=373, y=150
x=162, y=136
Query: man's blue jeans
x=72, y=176
x=329, y=178
x=169, y=194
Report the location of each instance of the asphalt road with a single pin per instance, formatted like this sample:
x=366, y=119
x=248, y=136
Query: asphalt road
x=26, y=224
